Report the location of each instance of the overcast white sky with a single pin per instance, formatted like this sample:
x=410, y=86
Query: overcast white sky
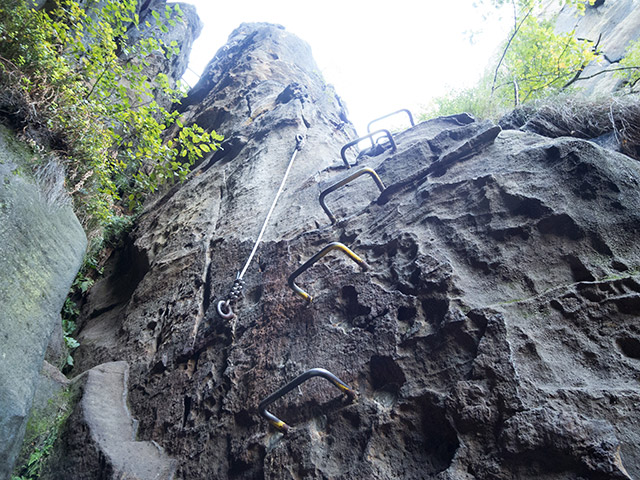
x=379, y=55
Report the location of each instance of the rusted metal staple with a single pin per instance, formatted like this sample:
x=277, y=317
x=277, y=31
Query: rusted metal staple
x=314, y=372
x=343, y=182
x=390, y=115
x=306, y=265
x=370, y=136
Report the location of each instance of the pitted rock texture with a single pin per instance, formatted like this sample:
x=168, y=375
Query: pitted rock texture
x=494, y=335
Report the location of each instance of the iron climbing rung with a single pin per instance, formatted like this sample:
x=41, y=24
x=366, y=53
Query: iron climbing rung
x=314, y=372
x=364, y=137
x=391, y=115
x=306, y=265
x=343, y=182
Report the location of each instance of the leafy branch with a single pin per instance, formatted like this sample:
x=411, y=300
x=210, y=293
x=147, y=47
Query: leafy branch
x=516, y=29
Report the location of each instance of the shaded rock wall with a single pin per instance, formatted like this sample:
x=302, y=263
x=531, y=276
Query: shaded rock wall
x=41, y=248
x=182, y=29
x=42, y=245
x=494, y=335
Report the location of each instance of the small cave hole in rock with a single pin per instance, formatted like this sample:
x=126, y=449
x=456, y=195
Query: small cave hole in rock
x=353, y=307
x=561, y=225
x=256, y=294
x=629, y=346
x=187, y=410
x=352, y=417
x=441, y=440
x=579, y=270
x=414, y=278
x=619, y=266
x=386, y=374
x=158, y=368
x=435, y=309
x=406, y=314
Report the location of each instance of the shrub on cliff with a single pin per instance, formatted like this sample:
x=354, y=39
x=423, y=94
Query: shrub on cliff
x=70, y=76
x=629, y=69
x=534, y=62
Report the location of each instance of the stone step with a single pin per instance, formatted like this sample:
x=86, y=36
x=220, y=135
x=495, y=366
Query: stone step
x=113, y=430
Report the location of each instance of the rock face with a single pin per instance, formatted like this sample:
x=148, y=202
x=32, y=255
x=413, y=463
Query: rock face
x=41, y=248
x=609, y=24
x=183, y=33
x=494, y=335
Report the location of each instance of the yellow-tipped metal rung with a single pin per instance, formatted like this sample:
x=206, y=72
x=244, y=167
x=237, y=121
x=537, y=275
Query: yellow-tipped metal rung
x=363, y=171
x=306, y=265
x=314, y=372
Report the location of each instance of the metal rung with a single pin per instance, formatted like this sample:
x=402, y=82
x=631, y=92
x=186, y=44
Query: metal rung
x=344, y=181
x=390, y=115
x=314, y=372
x=369, y=136
x=306, y=265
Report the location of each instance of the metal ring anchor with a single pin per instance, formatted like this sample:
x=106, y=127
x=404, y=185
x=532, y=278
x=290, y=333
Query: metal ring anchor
x=390, y=115
x=314, y=372
x=364, y=137
x=222, y=304
x=306, y=265
x=343, y=182
x=234, y=294
x=238, y=284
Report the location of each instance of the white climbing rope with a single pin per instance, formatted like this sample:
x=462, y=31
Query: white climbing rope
x=239, y=283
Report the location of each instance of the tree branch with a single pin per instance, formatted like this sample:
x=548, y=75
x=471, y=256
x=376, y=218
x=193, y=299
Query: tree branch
x=576, y=77
x=609, y=70
x=516, y=29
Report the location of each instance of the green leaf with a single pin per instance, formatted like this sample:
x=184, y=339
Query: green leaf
x=71, y=342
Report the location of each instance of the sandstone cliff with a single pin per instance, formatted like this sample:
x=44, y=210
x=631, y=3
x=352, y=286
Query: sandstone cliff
x=494, y=334
x=610, y=26
x=41, y=248
x=42, y=245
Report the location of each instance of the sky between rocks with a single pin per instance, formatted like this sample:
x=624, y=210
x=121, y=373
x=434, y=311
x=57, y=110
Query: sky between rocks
x=379, y=55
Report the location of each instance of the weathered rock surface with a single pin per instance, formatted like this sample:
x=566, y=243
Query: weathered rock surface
x=52, y=382
x=495, y=334
x=182, y=29
x=41, y=248
x=611, y=25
